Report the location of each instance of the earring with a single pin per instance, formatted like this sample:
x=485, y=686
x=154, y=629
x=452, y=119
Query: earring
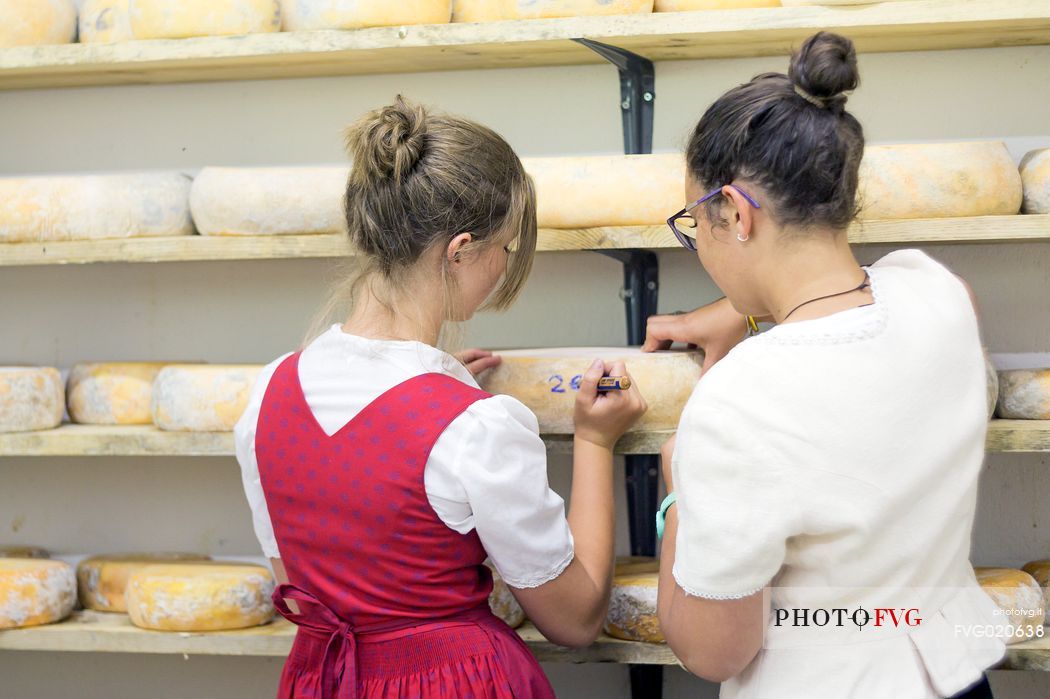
x=742, y=238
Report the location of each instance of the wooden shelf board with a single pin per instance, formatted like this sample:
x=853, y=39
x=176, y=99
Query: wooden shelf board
x=146, y=440
x=98, y=632
x=979, y=229
x=926, y=25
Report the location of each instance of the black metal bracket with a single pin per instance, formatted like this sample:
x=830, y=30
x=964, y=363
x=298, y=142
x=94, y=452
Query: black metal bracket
x=641, y=286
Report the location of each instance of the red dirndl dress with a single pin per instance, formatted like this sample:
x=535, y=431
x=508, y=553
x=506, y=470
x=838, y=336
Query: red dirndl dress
x=392, y=602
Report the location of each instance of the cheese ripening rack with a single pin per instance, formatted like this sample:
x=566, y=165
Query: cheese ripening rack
x=99, y=632
x=1017, y=436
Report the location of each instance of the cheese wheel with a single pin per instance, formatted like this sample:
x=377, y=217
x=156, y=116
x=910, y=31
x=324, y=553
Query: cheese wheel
x=632, y=603
x=546, y=381
x=496, y=10
x=103, y=580
x=1019, y=598
x=87, y=207
x=37, y=22
x=105, y=21
x=115, y=393
x=692, y=5
x=23, y=552
x=269, y=201
x=203, y=596
x=201, y=398
x=31, y=398
x=1040, y=572
x=34, y=592
x=355, y=14
x=502, y=602
x=938, y=180
x=179, y=19
x=1035, y=178
x=1024, y=394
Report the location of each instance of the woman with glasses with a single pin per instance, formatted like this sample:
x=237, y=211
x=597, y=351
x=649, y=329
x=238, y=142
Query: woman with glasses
x=822, y=482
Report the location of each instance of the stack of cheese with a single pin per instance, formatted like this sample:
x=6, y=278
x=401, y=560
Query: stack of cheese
x=33, y=589
x=1035, y=175
x=1024, y=394
x=105, y=21
x=1020, y=599
x=496, y=10
x=111, y=393
x=632, y=605
x=31, y=398
x=37, y=22
x=546, y=380
x=92, y=207
x=102, y=581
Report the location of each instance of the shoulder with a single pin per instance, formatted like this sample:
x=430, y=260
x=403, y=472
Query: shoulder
x=925, y=276
x=500, y=413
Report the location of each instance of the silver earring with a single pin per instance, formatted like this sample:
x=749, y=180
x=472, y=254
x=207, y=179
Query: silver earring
x=742, y=238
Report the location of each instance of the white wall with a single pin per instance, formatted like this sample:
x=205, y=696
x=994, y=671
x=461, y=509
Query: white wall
x=253, y=311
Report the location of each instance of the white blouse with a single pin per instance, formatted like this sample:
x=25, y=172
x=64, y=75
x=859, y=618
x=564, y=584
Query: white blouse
x=487, y=471
x=837, y=460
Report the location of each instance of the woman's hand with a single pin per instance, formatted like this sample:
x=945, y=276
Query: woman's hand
x=477, y=360
x=602, y=417
x=715, y=328
x=666, y=452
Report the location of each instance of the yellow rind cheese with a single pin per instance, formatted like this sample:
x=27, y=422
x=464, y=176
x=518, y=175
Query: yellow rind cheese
x=201, y=398
x=213, y=596
x=31, y=398
x=693, y=5
x=179, y=19
x=497, y=10
x=37, y=22
x=88, y=207
x=112, y=393
x=632, y=603
x=545, y=380
x=35, y=592
x=1024, y=394
x=105, y=21
x=103, y=580
x=356, y=14
x=1035, y=178
x=1020, y=600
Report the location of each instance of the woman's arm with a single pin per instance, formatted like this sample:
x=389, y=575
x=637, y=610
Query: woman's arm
x=715, y=328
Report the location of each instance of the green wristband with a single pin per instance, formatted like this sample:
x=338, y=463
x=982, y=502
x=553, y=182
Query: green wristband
x=661, y=515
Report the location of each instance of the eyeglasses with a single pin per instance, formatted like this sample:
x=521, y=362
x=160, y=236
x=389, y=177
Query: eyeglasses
x=683, y=224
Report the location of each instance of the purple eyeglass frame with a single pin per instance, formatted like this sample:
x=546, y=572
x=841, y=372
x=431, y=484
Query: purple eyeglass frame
x=690, y=243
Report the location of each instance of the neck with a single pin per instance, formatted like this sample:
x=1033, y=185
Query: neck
x=808, y=269
x=379, y=315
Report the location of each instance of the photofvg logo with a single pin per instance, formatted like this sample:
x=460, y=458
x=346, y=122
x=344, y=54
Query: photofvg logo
x=841, y=617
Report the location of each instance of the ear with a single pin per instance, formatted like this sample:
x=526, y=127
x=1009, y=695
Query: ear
x=738, y=213
x=456, y=246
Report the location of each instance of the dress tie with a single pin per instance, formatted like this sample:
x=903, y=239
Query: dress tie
x=339, y=671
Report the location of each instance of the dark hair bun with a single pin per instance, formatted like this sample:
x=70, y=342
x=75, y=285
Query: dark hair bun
x=826, y=67
x=389, y=142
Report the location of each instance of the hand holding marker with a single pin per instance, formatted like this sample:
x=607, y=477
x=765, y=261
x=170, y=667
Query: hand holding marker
x=614, y=383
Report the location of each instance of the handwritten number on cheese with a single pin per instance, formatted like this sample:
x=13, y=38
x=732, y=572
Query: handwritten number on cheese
x=559, y=383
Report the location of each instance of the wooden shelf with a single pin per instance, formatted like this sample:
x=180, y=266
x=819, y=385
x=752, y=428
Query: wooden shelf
x=980, y=229
x=927, y=25
x=98, y=632
x=146, y=440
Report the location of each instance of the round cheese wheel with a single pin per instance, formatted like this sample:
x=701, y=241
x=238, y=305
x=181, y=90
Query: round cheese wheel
x=1019, y=598
x=201, y=398
x=1040, y=572
x=496, y=10
x=1024, y=394
x=632, y=603
x=268, y=201
x=103, y=580
x=114, y=393
x=691, y=5
x=37, y=22
x=34, y=592
x=546, y=380
x=938, y=180
x=502, y=602
x=1035, y=178
x=23, y=552
x=179, y=19
x=85, y=207
x=355, y=14
x=620, y=190
x=105, y=21
x=203, y=596
x=31, y=398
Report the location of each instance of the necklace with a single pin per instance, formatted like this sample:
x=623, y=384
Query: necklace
x=863, y=285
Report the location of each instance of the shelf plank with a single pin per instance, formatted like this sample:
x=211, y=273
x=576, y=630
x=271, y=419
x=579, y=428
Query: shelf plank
x=979, y=229
x=925, y=25
x=98, y=632
x=146, y=440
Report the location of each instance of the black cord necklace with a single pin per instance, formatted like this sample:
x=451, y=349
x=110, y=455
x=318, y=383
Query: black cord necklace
x=863, y=285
